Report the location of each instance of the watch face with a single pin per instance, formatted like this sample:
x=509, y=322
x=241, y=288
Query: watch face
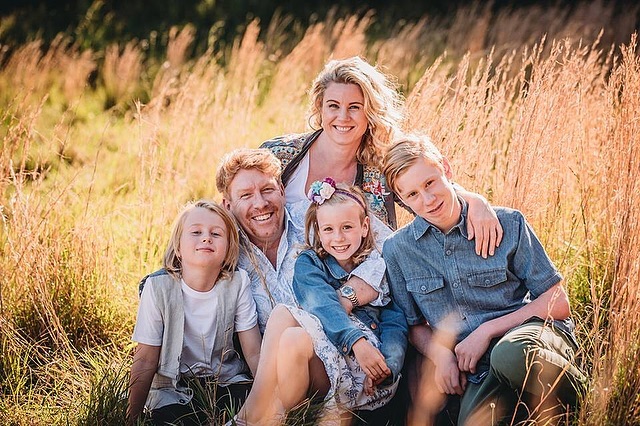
x=347, y=291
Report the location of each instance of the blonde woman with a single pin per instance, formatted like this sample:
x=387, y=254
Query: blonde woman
x=355, y=112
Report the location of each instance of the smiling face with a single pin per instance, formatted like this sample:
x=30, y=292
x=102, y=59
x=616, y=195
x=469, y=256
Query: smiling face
x=204, y=240
x=341, y=230
x=343, y=116
x=257, y=202
x=426, y=189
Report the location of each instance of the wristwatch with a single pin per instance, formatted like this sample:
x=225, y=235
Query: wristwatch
x=348, y=292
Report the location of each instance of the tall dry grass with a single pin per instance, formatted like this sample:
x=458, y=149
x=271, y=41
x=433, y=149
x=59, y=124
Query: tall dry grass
x=544, y=124
x=555, y=137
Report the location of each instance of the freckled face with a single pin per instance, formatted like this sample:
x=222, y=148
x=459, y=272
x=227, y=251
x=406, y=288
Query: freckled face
x=343, y=117
x=341, y=231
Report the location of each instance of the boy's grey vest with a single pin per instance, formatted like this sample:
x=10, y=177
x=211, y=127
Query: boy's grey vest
x=227, y=364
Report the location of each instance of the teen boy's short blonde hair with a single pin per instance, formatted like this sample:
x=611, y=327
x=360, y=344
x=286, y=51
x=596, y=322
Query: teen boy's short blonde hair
x=172, y=262
x=404, y=152
x=260, y=159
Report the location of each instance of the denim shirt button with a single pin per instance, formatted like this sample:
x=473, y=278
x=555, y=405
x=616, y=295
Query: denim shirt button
x=487, y=281
x=448, y=252
x=423, y=288
x=455, y=285
x=344, y=349
x=373, y=326
x=182, y=401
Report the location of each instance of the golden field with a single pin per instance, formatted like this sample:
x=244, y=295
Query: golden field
x=537, y=109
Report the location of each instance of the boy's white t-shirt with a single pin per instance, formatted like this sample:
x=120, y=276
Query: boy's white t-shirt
x=200, y=315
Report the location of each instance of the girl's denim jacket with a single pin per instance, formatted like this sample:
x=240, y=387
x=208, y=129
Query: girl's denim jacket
x=315, y=282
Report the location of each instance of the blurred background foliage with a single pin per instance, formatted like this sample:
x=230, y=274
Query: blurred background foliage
x=94, y=24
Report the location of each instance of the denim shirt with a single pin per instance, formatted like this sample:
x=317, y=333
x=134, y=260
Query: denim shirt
x=315, y=282
x=271, y=286
x=433, y=275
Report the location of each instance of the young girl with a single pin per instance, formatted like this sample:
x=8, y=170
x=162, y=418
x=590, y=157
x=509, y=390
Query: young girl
x=188, y=313
x=338, y=345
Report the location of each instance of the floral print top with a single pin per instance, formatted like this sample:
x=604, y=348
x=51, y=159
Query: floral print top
x=290, y=149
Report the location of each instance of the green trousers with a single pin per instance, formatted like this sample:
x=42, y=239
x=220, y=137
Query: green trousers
x=532, y=376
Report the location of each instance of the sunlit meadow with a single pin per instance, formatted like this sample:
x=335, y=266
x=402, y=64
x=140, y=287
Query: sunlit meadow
x=538, y=109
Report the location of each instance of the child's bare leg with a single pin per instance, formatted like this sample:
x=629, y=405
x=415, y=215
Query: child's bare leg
x=299, y=370
x=273, y=394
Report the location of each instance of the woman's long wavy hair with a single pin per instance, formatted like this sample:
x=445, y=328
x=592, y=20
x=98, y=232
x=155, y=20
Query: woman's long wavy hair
x=383, y=105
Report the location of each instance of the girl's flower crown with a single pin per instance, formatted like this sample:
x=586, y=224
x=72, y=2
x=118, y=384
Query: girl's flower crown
x=322, y=190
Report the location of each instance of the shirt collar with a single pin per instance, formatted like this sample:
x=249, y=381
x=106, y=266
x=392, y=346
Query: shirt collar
x=292, y=228
x=291, y=235
x=420, y=226
x=335, y=269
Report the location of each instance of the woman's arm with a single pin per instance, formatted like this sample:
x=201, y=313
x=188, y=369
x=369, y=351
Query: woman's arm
x=367, y=279
x=145, y=364
x=364, y=292
x=482, y=223
x=250, y=341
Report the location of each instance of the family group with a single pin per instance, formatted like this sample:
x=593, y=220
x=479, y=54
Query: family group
x=298, y=286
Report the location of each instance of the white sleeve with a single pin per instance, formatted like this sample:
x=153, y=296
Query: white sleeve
x=149, y=326
x=372, y=271
x=246, y=313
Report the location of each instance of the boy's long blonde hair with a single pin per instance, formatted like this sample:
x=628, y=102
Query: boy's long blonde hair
x=172, y=262
x=312, y=233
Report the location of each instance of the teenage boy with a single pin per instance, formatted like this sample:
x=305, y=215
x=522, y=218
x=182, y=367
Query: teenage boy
x=494, y=331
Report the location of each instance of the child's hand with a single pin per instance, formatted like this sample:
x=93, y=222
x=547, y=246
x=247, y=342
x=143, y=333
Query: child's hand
x=470, y=350
x=371, y=360
x=369, y=388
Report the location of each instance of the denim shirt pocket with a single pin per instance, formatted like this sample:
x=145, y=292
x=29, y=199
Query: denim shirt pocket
x=424, y=285
x=488, y=278
x=491, y=290
x=430, y=297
